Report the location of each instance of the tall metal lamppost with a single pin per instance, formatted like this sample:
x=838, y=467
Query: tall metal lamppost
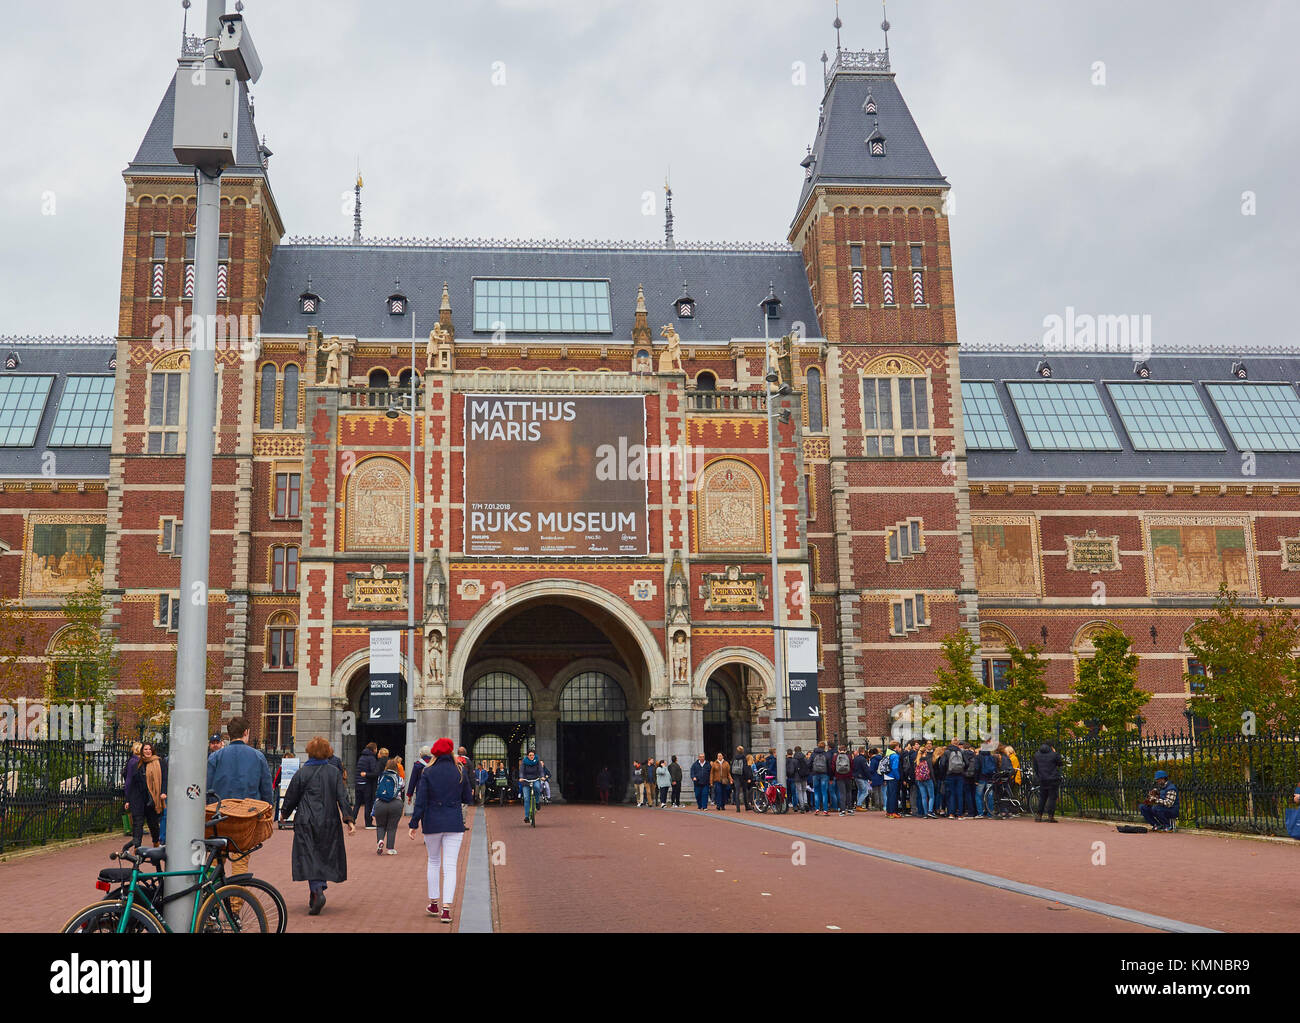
x=771, y=306
x=395, y=410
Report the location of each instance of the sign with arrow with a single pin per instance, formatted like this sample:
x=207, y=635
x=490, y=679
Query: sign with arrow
x=801, y=670
x=385, y=677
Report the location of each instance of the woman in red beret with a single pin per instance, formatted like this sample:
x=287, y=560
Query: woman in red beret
x=444, y=786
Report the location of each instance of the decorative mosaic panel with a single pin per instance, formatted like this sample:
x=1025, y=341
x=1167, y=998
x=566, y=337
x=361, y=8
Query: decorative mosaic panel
x=1189, y=556
x=1007, y=562
x=377, y=505
x=61, y=553
x=729, y=512
x=1290, y=553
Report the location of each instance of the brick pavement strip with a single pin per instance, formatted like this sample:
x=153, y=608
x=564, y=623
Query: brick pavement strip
x=382, y=893
x=1212, y=880
x=616, y=869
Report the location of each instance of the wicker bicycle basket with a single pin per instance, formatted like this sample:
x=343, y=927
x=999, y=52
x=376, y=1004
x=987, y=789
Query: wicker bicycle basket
x=246, y=822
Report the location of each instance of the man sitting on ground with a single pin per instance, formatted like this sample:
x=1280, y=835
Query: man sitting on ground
x=1160, y=808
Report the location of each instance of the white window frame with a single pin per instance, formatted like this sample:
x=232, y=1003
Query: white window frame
x=896, y=433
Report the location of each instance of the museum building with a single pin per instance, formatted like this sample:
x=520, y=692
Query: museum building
x=626, y=610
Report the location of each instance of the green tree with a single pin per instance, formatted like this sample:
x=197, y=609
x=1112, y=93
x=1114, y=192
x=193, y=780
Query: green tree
x=1024, y=706
x=956, y=681
x=157, y=698
x=1107, y=690
x=87, y=664
x=1252, y=678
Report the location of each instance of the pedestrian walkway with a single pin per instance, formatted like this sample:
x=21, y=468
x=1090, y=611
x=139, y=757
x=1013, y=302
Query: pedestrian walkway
x=382, y=893
x=618, y=868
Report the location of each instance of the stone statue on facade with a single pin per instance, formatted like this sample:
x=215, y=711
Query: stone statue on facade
x=670, y=360
x=331, y=347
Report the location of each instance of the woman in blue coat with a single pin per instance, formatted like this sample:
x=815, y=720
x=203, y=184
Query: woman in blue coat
x=444, y=787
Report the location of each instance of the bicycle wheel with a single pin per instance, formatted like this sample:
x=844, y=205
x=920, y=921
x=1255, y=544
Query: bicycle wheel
x=272, y=902
x=106, y=917
x=231, y=909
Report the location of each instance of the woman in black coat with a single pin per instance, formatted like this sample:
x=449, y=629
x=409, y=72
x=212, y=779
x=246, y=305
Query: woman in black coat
x=320, y=798
x=444, y=787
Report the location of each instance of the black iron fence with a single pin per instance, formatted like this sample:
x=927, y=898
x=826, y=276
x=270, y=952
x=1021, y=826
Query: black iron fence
x=52, y=790
x=1227, y=782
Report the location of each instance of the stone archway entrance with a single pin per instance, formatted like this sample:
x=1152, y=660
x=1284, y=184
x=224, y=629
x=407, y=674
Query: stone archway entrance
x=385, y=736
x=592, y=667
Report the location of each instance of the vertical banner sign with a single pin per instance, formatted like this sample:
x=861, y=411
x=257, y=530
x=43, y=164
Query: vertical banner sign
x=557, y=477
x=385, y=677
x=801, y=669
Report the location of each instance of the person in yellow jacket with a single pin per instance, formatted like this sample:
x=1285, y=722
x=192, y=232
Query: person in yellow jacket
x=1010, y=754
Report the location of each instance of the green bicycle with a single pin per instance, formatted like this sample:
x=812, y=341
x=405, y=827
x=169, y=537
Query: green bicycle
x=535, y=788
x=219, y=907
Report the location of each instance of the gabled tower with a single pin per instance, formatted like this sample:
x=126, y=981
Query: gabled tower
x=895, y=543
x=147, y=471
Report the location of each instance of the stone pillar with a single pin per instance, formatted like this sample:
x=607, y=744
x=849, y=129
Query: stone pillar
x=548, y=747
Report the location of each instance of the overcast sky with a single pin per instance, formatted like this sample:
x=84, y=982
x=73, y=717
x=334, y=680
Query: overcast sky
x=1119, y=198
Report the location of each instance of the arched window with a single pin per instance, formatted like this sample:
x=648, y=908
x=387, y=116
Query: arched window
x=378, y=382
x=717, y=708
x=488, y=748
x=289, y=416
x=499, y=696
x=281, y=646
x=816, y=421
x=593, y=696
x=284, y=568
x=75, y=673
x=266, y=399
x=404, y=380
x=706, y=381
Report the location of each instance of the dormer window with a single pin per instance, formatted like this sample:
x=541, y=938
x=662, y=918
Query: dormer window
x=869, y=107
x=396, y=305
x=808, y=163
x=876, y=142
x=685, y=305
x=12, y=361
x=308, y=301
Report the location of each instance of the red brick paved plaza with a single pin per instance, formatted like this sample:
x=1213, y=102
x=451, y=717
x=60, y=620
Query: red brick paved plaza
x=588, y=868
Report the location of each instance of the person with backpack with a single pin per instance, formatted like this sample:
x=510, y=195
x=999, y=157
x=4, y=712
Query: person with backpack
x=889, y=770
x=971, y=760
x=924, y=773
x=720, y=779
x=819, y=773
x=319, y=797
x=909, y=805
x=862, y=779
x=1047, y=766
x=740, y=779
x=367, y=776
x=444, y=789
x=387, y=811
x=954, y=779
x=701, y=780
x=844, y=779
x=984, y=784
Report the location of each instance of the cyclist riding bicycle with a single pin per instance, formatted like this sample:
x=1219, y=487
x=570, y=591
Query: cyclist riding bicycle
x=530, y=778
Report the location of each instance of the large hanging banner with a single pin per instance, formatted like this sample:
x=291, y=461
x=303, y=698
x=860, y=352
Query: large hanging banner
x=385, y=677
x=556, y=477
x=801, y=669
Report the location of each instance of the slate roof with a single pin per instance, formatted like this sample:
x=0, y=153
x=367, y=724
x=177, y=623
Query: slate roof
x=61, y=359
x=155, y=154
x=840, y=149
x=353, y=281
x=1127, y=464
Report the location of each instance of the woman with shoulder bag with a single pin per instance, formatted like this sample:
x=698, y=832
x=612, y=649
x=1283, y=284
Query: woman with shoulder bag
x=319, y=796
x=444, y=787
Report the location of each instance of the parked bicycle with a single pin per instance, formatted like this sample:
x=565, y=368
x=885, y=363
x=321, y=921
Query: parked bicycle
x=769, y=796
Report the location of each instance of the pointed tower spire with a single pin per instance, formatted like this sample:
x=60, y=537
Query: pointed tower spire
x=838, y=25
x=884, y=27
x=356, y=210
x=668, y=215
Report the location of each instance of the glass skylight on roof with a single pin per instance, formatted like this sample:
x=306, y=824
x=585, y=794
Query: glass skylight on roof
x=1260, y=417
x=986, y=424
x=542, y=306
x=85, y=415
x=1063, y=416
x=22, y=402
x=1165, y=417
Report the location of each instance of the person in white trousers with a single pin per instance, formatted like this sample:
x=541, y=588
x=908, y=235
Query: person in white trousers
x=444, y=787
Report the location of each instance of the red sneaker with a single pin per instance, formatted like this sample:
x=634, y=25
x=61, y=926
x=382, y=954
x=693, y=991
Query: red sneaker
x=446, y=914
x=432, y=910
